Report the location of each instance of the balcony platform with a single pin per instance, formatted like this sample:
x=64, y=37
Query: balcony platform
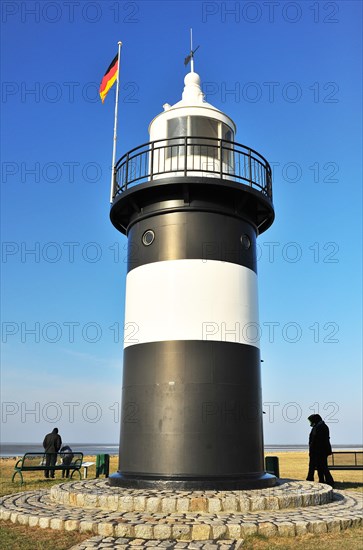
x=191, y=173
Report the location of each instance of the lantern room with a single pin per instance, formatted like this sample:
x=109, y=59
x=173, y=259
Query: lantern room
x=194, y=132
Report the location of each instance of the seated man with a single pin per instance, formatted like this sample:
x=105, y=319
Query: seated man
x=67, y=457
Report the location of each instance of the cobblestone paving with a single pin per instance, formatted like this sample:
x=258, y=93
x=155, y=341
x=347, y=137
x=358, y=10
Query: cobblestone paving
x=132, y=544
x=99, y=494
x=37, y=508
x=199, y=520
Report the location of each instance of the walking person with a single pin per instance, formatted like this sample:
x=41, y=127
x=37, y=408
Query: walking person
x=319, y=450
x=52, y=443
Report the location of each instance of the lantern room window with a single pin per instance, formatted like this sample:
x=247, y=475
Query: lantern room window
x=206, y=131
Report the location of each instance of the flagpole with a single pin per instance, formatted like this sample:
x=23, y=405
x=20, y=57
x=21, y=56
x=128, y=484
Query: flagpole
x=113, y=175
x=191, y=52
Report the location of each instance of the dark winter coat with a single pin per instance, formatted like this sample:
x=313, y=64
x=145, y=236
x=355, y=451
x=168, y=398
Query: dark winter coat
x=67, y=455
x=319, y=440
x=52, y=442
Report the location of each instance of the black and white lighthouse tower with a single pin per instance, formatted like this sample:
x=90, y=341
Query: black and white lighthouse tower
x=192, y=202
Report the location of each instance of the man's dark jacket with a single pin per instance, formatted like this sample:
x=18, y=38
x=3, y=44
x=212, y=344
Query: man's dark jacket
x=319, y=440
x=52, y=442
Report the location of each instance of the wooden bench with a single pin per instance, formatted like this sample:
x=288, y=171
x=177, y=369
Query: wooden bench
x=346, y=460
x=33, y=462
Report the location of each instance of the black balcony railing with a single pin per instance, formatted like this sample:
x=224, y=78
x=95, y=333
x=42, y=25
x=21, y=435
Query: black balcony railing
x=192, y=156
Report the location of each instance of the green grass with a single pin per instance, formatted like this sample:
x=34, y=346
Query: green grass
x=35, y=480
x=295, y=466
x=21, y=537
x=351, y=539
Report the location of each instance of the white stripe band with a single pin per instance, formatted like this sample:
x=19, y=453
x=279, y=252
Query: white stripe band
x=191, y=300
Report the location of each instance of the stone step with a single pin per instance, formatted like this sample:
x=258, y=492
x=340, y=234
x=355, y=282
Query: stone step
x=98, y=494
x=38, y=508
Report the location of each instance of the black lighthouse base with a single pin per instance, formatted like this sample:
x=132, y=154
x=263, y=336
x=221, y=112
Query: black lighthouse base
x=176, y=483
x=202, y=431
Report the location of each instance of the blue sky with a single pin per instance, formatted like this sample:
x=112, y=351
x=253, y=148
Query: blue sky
x=289, y=75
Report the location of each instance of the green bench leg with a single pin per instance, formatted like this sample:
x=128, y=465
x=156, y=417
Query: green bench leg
x=21, y=477
x=79, y=473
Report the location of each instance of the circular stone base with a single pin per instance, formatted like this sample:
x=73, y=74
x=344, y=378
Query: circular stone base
x=99, y=494
x=293, y=508
x=190, y=484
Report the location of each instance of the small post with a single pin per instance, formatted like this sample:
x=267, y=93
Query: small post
x=152, y=161
x=126, y=171
x=185, y=155
x=250, y=166
x=220, y=159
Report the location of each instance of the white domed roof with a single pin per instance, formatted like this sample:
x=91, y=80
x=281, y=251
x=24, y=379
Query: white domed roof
x=192, y=93
x=192, y=78
x=193, y=103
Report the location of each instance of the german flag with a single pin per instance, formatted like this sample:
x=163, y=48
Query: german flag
x=109, y=78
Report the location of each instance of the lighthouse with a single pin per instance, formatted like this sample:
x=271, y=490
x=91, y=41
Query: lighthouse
x=192, y=201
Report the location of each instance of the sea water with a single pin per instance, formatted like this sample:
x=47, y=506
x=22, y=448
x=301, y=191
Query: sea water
x=18, y=449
